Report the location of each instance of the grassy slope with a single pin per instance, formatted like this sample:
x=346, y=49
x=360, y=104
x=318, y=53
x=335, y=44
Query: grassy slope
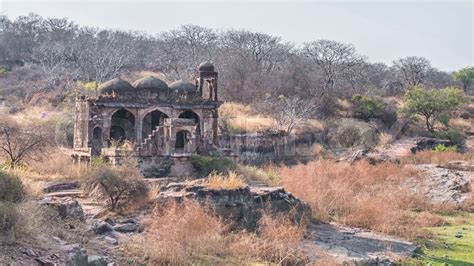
x=447, y=249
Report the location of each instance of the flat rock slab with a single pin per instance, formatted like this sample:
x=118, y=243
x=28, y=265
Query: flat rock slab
x=441, y=185
x=56, y=186
x=65, y=193
x=356, y=245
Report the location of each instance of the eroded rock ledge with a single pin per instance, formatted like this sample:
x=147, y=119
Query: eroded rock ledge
x=243, y=205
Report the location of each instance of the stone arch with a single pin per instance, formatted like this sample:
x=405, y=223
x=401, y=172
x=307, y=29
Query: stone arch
x=189, y=114
x=97, y=140
x=122, y=126
x=151, y=120
x=182, y=139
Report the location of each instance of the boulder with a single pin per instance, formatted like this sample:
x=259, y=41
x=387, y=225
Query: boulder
x=126, y=227
x=110, y=240
x=96, y=261
x=102, y=228
x=425, y=143
x=77, y=257
x=67, y=208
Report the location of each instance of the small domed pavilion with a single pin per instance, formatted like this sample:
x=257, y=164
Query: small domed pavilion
x=160, y=122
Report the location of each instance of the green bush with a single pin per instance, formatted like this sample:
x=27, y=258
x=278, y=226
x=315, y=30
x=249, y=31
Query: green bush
x=433, y=105
x=11, y=188
x=452, y=135
x=367, y=107
x=8, y=216
x=204, y=165
x=443, y=148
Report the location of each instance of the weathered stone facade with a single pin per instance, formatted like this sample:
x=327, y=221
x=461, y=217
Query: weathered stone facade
x=160, y=121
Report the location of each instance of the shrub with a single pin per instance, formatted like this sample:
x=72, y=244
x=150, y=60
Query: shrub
x=367, y=107
x=205, y=165
x=119, y=187
x=8, y=216
x=349, y=133
x=453, y=135
x=11, y=188
x=433, y=105
x=230, y=181
x=443, y=148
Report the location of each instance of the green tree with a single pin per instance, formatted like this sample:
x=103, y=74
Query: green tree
x=465, y=76
x=433, y=105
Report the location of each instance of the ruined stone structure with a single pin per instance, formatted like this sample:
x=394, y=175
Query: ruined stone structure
x=163, y=123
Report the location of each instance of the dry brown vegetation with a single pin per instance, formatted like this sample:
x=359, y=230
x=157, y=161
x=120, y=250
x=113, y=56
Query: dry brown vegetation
x=189, y=234
x=241, y=118
x=361, y=195
x=432, y=157
x=232, y=180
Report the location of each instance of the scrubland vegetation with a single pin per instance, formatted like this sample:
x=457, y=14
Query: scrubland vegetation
x=351, y=104
x=183, y=234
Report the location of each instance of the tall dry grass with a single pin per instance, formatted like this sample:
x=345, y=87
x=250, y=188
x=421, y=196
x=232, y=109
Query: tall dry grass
x=232, y=180
x=432, y=157
x=189, y=234
x=361, y=195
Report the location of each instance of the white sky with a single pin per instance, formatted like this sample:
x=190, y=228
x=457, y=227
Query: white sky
x=441, y=31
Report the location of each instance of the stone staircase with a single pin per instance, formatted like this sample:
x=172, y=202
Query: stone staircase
x=146, y=146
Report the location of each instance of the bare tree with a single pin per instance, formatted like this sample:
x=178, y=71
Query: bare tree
x=334, y=58
x=181, y=50
x=413, y=69
x=289, y=112
x=18, y=143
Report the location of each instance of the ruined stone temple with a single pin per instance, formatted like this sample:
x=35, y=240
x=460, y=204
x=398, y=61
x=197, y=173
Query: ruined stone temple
x=164, y=124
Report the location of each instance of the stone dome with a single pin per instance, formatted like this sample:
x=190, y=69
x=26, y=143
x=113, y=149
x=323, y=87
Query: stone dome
x=152, y=84
x=183, y=86
x=206, y=67
x=116, y=85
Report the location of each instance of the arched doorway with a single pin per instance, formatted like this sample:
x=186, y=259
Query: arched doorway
x=192, y=115
x=97, y=141
x=182, y=139
x=122, y=126
x=151, y=121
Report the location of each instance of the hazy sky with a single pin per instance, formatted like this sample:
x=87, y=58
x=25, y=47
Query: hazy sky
x=441, y=31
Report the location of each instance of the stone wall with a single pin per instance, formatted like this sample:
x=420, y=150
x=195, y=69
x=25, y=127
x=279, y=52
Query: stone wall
x=258, y=148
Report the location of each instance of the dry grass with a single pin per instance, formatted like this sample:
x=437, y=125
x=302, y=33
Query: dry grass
x=242, y=118
x=189, y=234
x=231, y=180
x=427, y=219
x=432, y=157
x=462, y=124
x=281, y=240
x=361, y=195
x=385, y=139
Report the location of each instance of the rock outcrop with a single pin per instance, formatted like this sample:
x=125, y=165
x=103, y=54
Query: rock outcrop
x=441, y=185
x=67, y=208
x=60, y=186
x=242, y=205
